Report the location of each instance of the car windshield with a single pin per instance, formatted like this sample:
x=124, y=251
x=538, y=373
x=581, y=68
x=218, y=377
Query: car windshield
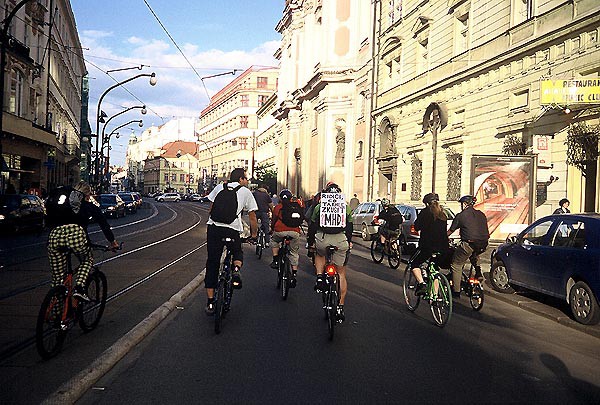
x=126, y=197
x=108, y=199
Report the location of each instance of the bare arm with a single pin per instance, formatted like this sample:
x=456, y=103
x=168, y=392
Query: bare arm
x=253, y=224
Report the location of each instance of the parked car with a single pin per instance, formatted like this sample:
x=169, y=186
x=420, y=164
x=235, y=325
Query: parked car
x=409, y=236
x=168, y=197
x=363, y=217
x=20, y=211
x=130, y=202
x=559, y=256
x=112, y=205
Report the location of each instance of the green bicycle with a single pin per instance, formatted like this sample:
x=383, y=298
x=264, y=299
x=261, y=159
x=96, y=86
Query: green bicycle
x=438, y=291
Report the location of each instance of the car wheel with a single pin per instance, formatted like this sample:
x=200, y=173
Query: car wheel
x=584, y=304
x=160, y=200
x=365, y=233
x=499, y=278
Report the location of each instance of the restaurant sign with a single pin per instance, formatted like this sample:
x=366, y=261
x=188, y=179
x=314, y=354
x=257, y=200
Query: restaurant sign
x=564, y=92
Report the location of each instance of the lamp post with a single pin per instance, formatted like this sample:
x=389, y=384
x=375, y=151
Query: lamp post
x=100, y=115
x=106, y=140
x=3, y=39
x=211, y=161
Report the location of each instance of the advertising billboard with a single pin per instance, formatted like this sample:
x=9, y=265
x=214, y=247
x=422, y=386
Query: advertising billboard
x=504, y=187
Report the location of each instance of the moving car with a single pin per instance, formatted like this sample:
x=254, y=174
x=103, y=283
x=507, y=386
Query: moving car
x=20, y=211
x=138, y=199
x=112, y=205
x=131, y=205
x=168, y=197
x=559, y=256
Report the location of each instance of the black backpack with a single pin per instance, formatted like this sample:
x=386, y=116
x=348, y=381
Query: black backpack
x=224, y=208
x=292, y=214
x=62, y=206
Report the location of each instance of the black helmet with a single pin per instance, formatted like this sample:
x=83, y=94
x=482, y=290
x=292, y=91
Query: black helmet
x=285, y=194
x=332, y=188
x=431, y=197
x=467, y=199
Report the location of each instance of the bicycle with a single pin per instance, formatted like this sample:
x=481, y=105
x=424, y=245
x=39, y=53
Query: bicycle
x=261, y=243
x=331, y=292
x=471, y=285
x=224, y=290
x=284, y=270
x=437, y=292
x=391, y=248
x=60, y=311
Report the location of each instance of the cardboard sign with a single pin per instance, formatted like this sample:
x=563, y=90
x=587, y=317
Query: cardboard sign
x=333, y=210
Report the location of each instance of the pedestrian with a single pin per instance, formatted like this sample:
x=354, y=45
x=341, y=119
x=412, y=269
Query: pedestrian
x=563, y=207
x=265, y=206
x=354, y=202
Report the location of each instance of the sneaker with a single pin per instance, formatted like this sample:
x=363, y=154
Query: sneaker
x=340, y=317
x=274, y=264
x=80, y=294
x=293, y=281
x=320, y=284
x=210, y=308
x=421, y=289
x=236, y=279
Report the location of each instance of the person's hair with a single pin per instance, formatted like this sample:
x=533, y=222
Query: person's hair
x=83, y=188
x=563, y=201
x=437, y=211
x=236, y=174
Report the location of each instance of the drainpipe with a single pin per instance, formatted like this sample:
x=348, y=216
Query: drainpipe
x=374, y=75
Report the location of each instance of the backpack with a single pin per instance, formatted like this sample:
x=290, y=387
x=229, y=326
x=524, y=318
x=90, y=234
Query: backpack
x=292, y=214
x=224, y=208
x=62, y=206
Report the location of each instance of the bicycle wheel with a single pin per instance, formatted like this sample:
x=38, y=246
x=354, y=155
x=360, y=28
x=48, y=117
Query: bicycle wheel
x=441, y=300
x=332, y=301
x=285, y=279
x=409, y=286
x=476, y=297
x=260, y=244
x=394, y=256
x=49, y=336
x=219, y=304
x=377, y=250
x=89, y=313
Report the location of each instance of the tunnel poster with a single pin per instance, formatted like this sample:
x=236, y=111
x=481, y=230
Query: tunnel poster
x=504, y=187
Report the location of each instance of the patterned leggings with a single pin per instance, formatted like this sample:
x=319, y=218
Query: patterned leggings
x=73, y=237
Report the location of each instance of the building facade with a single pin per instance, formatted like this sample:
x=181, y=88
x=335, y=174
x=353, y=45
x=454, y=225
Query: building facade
x=228, y=126
x=174, y=169
x=42, y=114
x=460, y=106
x=324, y=95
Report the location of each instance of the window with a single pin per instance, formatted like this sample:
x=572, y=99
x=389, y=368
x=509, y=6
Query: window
x=538, y=235
x=15, y=102
x=461, y=34
x=261, y=100
x=182, y=178
x=174, y=177
x=245, y=99
x=519, y=100
x=394, y=11
x=166, y=177
x=243, y=121
x=422, y=55
x=522, y=11
x=261, y=82
x=570, y=233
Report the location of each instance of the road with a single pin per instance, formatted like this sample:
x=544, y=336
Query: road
x=273, y=351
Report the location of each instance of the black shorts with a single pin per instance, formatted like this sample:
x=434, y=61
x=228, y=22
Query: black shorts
x=214, y=245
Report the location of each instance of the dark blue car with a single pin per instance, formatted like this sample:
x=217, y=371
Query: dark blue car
x=558, y=255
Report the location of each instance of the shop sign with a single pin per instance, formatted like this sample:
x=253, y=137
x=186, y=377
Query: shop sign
x=542, y=147
x=565, y=92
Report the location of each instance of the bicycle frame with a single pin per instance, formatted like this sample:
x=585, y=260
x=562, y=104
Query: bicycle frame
x=283, y=275
x=331, y=293
x=224, y=290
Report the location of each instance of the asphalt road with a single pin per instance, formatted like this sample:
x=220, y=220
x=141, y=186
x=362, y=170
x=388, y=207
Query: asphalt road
x=274, y=351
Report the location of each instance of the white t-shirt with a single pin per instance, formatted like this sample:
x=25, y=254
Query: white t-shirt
x=245, y=201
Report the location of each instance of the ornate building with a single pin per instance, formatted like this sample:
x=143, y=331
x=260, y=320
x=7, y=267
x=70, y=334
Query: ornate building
x=42, y=115
x=324, y=95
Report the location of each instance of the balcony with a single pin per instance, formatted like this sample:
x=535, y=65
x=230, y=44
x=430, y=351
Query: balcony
x=18, y=49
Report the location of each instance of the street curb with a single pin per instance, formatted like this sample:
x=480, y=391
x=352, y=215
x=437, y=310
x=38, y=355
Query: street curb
x=74, y=389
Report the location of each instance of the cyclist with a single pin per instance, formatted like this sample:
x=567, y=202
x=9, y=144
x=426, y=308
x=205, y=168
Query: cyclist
x=431, y=222
x=225, y=221
x=69, y=220
x=288, y=215
x=393, y=219
x=265, y=207
x=474, y=236
x=320, y=236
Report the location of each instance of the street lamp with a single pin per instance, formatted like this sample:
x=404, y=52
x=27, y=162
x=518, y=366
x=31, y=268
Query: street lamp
x=3, y=39
x=211, y=161
x=100, y=116
x=107, y=141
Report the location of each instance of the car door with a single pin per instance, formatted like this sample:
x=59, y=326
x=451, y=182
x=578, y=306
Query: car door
x=26, y=219
x=569, y=256
x=530, y=254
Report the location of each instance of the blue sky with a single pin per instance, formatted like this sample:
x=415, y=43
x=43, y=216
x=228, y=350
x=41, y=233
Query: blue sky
x=215, y=36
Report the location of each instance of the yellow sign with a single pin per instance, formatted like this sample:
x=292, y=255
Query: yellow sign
x=565, y=92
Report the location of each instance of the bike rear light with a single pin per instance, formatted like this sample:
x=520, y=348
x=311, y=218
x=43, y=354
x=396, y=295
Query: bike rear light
x=330, y=269
x=413, y=230
x=473, y=280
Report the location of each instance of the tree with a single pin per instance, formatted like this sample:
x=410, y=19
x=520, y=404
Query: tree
x=266, y=174
x=582, y=152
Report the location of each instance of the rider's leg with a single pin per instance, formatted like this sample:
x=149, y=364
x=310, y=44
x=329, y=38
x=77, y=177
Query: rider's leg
x=275, y=240
x=58, y=260
x=461, y=254
x=214, y=247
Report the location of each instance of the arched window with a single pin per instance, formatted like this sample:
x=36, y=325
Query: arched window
x=15, y=101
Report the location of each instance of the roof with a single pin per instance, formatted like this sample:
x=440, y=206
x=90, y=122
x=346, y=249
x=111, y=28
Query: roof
x=170, y=150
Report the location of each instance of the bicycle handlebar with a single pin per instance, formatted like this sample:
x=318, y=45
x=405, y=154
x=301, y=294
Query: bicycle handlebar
x=104, y=248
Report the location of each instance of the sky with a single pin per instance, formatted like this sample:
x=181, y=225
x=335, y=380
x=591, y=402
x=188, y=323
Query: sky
x=216, y=36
